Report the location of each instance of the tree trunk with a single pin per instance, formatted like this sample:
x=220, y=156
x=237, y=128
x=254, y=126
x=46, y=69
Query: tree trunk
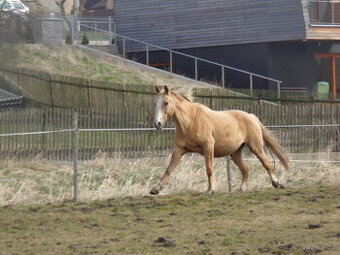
x=61, y=5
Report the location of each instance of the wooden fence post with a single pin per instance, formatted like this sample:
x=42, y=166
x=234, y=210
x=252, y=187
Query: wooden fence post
x=44, y=120
x=51, y=90
x=75, y=154
x=229, y=174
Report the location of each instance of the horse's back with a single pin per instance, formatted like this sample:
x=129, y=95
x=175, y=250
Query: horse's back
x=248, y=122
x=228, y=129
x=231, y=118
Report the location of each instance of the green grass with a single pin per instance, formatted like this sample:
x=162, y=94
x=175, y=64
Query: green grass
x=292, y=221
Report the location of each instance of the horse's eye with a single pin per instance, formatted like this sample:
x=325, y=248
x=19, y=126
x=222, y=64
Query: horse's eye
x=165, y=103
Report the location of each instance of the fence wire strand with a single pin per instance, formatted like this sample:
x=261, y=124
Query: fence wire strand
x=142, y=130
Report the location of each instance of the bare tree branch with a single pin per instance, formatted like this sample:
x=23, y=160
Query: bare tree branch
x=61, y=5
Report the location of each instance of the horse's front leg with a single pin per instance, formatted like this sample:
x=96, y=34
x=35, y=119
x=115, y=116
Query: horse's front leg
x=208, y=152
x=175, y=158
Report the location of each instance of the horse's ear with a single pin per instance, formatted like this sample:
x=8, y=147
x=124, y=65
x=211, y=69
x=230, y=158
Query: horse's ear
x=157, y=90
x=166, y=89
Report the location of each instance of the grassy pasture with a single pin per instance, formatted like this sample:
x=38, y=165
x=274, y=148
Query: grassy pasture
x=291, y=221
x=115, y=214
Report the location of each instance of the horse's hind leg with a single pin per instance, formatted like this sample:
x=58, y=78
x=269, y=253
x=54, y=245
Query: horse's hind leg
x=259, y=152
x=208, y=152
x=237, y=159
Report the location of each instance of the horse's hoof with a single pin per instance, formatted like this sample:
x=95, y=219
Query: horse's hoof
x=278, y=185
x=154, y=191
x=281, y=186
x=210, y=192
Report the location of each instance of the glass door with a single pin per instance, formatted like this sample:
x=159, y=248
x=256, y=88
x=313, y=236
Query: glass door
x=329, y=71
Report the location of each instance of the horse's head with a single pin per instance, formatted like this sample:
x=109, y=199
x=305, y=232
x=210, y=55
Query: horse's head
x=165, y=107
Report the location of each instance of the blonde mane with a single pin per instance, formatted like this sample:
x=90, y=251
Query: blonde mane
x=186, y=93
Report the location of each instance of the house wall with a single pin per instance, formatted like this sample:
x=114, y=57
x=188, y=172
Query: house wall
x=248, y=57
x=293, y=63
x=270, y=38
x=179, y=24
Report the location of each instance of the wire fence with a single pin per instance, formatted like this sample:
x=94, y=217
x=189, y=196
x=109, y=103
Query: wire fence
x=128, y=132
x=137, y=152
x=81, y=135
x=75, y=133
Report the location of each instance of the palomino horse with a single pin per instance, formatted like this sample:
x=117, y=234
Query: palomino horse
x=214, y=134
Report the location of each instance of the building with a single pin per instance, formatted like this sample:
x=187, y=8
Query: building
x=296, y=41
x=98, y=8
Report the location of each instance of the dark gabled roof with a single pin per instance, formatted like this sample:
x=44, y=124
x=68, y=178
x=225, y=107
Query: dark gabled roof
x=182, y=24
x=9, y=99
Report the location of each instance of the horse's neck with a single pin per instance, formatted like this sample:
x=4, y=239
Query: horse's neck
x=184, y=115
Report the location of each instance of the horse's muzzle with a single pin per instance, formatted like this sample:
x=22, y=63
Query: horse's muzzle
x=158, y=125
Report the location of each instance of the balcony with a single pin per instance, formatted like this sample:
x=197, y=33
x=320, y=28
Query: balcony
x=324, y=20
x=324, y=12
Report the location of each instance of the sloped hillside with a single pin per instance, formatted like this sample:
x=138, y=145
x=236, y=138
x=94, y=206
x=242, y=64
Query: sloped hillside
x=70, y=61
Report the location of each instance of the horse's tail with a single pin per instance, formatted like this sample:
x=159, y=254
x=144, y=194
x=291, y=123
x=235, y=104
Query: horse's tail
x=275, y=147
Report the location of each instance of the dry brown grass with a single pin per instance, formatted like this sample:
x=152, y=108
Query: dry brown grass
x=38, y=181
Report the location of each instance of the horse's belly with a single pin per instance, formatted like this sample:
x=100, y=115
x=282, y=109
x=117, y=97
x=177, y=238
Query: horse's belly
x=223, y=152
x=227, y=146
x=194, y=148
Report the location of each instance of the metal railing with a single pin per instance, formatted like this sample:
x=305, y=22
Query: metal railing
x=324, y=12
x=127, y=45
x=79, y=28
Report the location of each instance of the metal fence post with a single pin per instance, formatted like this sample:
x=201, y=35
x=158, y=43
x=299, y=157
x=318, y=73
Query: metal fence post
x=147, y=55
x=110, y=29
x=229, y=173
x=251, y=84
x=278, y=90
x=196, y=69
x=124, y=48
x=95, y=32
x=223, y=78
x=75, y=155
x=171, y=61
